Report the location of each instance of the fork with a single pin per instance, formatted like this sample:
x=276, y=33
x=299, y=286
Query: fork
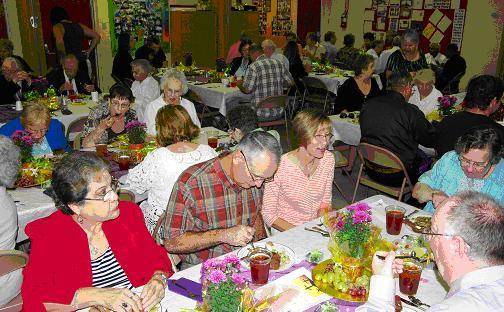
x=418, y=301
x=313, y=230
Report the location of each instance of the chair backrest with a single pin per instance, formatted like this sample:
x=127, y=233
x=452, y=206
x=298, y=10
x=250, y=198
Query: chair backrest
x=11, y=260
x=76, y=126
x=314, y=83
x=77, y=141
x=453, y=85
x=273, y=102
x=128, y=82
x=155, y=232
x=116, y=79
x=382, y=157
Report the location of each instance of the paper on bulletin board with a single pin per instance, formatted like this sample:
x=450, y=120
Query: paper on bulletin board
x=417, y=15
x=417, y=4
x=428, y=4
x=393, y=24
x=455, y=4
x=380, y=23
x=428, y=30
x=382, y=11
x=404, y=24
x=444, y=23
x=368, y=26
x=435, y=17
x=369, y=15
x=394, y=11
x=394, y=2
x=437, y=37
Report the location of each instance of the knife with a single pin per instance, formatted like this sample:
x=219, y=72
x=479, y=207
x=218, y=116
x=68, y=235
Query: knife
x=412, y=304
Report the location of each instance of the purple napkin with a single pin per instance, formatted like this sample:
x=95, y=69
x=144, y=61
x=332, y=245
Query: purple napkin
x=192, y=286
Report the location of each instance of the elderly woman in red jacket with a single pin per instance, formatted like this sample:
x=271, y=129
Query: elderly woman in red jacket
x=95, y=249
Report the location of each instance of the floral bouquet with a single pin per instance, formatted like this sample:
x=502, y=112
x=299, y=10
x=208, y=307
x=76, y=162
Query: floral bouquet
x=136, y=132
x=25, y=143
x=222, y=284
x=446, y=104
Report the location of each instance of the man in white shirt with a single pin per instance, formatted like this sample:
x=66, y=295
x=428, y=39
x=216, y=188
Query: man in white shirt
x=376, y=48
x=69, y=78
x=145, y=88
x=313, y=49
x=434, y=57
x=174, y=85
x=424, y=94
x=381, y=62
x=269, y=49
x=467, y=231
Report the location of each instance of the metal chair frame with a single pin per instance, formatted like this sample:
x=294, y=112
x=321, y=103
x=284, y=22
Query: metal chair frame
x=272, y=102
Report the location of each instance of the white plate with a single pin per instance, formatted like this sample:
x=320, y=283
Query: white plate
x=282, y=248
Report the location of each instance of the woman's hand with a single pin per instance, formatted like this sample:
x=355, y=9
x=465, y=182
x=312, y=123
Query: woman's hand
x=115, y=299
x=153, y=292
x=107, y=123
x=388, y=267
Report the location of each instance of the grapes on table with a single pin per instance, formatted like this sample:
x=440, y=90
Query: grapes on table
x=334, y=276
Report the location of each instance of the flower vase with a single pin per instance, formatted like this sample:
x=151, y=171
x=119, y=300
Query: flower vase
x=353, y=268
x=136, y=152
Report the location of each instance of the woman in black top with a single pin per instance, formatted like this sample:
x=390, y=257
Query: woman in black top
x=355, y=91
x=240, y=64
x=69, y=35
x=296, y=67
x=122, y=60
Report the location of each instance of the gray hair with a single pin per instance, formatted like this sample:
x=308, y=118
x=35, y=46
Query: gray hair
x=177, y=75
x=255, y=143
x=268, y=43
x=410, y=35
x=143, y=64
x=479, y=221
x=14, y=60
x=9, y=166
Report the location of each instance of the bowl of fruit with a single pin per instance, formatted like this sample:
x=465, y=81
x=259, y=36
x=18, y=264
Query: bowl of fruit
x=37, y=172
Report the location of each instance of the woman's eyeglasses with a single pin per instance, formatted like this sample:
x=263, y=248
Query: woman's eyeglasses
x=114, y=186
x=477, y=165
x=120, y=105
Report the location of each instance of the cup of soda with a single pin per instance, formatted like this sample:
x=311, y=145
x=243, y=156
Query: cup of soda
x=259, y=259
x=101, y=150
x=410, y=277
x=395, y=217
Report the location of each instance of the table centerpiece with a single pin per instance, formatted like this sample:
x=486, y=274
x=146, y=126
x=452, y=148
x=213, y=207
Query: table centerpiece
x=354, y=240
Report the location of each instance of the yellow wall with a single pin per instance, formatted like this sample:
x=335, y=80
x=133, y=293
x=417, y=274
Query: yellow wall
x=482, y=31
x=104, y=48
x=11, y=18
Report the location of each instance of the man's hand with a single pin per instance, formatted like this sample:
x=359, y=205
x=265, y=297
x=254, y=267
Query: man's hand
x=438, y=197
x=107, y=123
x=239, y=235
x=388, y=267
x=22, y=75
x=67, y=86
x=89, y=88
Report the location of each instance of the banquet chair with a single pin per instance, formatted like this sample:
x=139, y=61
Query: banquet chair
x=76, y=127
x=156, y=234
x=11, y=260
x=295, y=97
x=126, y=195
x=202, y=109
x=277, y=101
x=77, y=142
x=116, y=79
x=316, y=92
x=345, y=164
x=453, y=85
x=381, y=157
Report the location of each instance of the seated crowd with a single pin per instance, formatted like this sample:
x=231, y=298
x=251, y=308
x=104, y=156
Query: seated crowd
x=208, y=204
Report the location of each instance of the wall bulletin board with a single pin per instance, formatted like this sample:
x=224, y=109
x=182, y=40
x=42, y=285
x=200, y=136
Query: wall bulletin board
x=440, y=21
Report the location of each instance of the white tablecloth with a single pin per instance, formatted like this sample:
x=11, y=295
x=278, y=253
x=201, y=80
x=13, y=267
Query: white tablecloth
x=333, y=81
x=217, y=96
x=301, y=242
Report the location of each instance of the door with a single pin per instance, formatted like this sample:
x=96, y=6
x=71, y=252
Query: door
x=31, y=34
x=78, y=11
x=308, y=18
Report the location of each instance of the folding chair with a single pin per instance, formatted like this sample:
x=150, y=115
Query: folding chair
x=12, y=260
x=277, y=101
x=316, y=92
x=75, y=127
x=381, y=157
x=126, y=195
x=202, y=109
x=453, y=85
x=345, y=164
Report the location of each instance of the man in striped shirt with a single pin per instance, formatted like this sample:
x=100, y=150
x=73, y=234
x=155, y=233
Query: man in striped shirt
x=215, y=205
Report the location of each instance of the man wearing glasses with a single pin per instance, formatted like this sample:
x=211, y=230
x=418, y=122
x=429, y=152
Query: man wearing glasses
x=466, y=239
x=13, y=81
x=215, y=206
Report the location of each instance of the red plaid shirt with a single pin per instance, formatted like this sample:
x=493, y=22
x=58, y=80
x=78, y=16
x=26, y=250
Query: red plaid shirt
x=205, y=198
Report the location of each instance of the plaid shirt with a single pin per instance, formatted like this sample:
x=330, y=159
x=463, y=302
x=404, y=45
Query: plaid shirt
x=266, y=77
x=205, y=198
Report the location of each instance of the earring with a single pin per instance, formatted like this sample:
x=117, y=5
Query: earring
x=80, y=219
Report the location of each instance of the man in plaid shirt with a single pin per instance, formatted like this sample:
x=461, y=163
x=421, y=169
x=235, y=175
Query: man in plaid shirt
x=215, y=205
x=265, y=77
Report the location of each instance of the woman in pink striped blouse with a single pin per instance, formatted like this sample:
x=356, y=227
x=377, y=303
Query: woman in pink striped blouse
x=302, y=186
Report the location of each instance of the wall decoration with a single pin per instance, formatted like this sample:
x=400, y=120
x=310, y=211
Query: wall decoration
x=404, y=24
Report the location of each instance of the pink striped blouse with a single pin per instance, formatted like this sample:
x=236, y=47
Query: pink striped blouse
x=293, y=196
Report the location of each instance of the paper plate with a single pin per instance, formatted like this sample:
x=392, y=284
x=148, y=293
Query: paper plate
x=282, y=249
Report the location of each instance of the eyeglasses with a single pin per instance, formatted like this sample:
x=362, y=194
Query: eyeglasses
x=477, y=165
x=120, y=105
x=36, y=131
x=114, y=186
x=254, y=177
x=173, y=92
x=321, y=137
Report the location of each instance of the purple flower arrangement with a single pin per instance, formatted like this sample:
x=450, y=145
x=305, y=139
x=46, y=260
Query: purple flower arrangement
x=353, y=228
x=136, y=132
x=446, y=104
x=25, y=142
x=222, y=283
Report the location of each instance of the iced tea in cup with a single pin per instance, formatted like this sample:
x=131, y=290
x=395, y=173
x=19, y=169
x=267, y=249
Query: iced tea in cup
x=101, y=150
x=410, y=277
x=124, y=162
x=259, y=259
x=395, y=217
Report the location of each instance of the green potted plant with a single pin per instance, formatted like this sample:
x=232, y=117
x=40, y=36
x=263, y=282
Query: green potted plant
x=136, y=134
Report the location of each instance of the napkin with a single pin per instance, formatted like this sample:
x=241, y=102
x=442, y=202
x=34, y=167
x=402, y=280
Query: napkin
x=192, y=286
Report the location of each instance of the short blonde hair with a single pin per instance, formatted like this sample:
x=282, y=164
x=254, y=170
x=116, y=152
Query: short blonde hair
x=307, y=122
x=173, y=124
x=34, y=114
x=424, y=75
x=176, y=75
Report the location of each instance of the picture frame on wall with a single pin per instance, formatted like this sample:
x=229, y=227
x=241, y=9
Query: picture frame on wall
x=404, y=24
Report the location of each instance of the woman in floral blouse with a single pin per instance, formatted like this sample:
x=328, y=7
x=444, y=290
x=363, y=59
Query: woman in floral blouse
x=108, y=120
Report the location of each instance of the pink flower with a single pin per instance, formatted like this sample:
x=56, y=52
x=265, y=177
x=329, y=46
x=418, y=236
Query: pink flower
x=340, y=224
x=237, y=279
x=134, y=124
x=217, y=276
x=360, y=217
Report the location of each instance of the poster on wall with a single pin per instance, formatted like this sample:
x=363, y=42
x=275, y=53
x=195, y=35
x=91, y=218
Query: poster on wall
x=458, y=27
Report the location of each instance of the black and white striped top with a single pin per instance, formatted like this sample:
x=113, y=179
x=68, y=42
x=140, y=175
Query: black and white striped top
x=108, y=273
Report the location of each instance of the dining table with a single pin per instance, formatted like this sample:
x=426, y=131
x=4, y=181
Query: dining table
x=33, y=204
x=334, y=80
x=217, y=95
x=431, y=290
